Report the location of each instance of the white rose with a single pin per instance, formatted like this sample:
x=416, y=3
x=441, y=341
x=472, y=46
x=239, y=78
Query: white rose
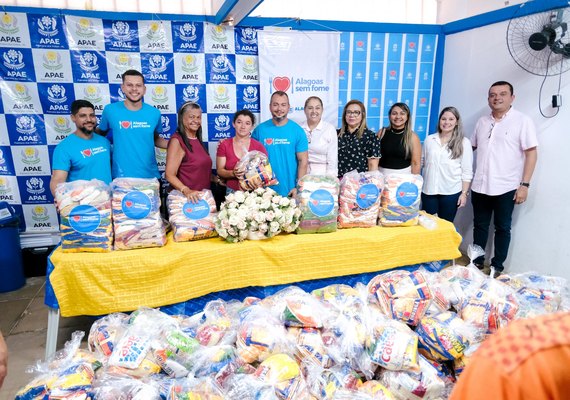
x=234, y=220
x=232, y=205
x=275, y=199
x=259, y=217
x=265, y=204
x=225, y=224
x=269, y=215
x=284, y=202
x=254, y=225
x=232, y=231
x=274, y=227
x=243, y=235
x=241, y=225
x=223, y=233
x=240, y=197
x=259, y=191
x=263, y=227
x=230, y=198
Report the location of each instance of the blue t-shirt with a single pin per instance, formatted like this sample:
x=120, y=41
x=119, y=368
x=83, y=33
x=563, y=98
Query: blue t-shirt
x=133, y=139
x=84, y=158
x=282, y=144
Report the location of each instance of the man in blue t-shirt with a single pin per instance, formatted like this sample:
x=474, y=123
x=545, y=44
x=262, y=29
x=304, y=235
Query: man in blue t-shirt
x=136, y=127
x=81, y=155
x=286, y=144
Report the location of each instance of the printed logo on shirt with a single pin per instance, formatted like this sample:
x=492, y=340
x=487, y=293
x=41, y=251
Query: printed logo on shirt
x=276, y=142
x=91, y=152
x=125, y=124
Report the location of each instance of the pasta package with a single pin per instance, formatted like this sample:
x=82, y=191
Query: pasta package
x=136, y=213
x=317, y=196
x=85, y=216
x=192, y=221
x=359, y=199
x=400, y=200
x=258, y=171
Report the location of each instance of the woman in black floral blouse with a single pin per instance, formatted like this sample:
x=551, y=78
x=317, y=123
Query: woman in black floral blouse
x=358, y=146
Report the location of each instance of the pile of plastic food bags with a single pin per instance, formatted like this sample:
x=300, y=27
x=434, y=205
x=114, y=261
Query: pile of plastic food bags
x=192, y=221
x=338, y=342
x=359, y=199
x=136, y=213
x=400, y=200
x=317, y=197
x=257, y=171
x=85, y=216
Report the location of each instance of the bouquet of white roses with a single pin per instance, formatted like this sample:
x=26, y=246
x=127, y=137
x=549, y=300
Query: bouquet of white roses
x=259, y=214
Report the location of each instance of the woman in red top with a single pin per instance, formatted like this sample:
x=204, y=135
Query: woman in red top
x=232, y=150
x=188, y=164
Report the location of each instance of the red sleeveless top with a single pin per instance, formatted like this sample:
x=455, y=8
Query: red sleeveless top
x=196, y=166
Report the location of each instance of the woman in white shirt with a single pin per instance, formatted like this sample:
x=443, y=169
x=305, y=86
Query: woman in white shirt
x=323, y=143
x=448, y=167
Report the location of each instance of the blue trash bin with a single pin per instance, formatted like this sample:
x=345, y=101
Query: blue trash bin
x=11, y=266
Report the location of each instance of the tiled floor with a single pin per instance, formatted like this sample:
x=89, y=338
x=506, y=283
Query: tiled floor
x=23, y=322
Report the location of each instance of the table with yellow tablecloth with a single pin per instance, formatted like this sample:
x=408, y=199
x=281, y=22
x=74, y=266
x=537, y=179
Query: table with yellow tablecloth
x=102, y=283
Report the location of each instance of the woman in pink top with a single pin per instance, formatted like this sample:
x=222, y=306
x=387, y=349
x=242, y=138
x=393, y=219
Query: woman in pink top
x=232, y=150
x=188, y=164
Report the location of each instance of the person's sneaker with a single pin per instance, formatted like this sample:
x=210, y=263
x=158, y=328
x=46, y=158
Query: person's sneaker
x=497, y=273
x=479, y=266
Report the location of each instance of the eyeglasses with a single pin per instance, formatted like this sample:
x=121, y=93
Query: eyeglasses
x=356, y=113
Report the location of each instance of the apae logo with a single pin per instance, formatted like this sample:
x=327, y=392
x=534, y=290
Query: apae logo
x=250, y=94
x=187, y=32
x=47, y=26
x=35, y=186
x=26, y=125
x=92, y=93
x=218, y=33
x=13, y=60
x=165, y=121
x=5, y=188
x=56, y=94
x=250, y=66
x=191, y=93
x=123, y=61
x=88, y=62
x=157, y=63
x=40, y=214
x=61, y=125
x=20, y=93
x=220, y=64
x=120, y=30
x=249, y=35
x=222, y=123
x=155, y=32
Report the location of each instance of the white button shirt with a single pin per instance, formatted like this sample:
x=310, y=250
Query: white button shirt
x=442, y=174
x=500, y=151
x=323, y=149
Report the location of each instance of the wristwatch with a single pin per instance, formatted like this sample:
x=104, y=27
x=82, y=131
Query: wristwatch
x=525, y=184
x=465, y=192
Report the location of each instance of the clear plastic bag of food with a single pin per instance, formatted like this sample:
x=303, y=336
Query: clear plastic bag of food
x=400, y=202
x=443, y=337
x=317, y=197
x=257, y=171
x=359, y=199
x=85, y=216
x=192, y=221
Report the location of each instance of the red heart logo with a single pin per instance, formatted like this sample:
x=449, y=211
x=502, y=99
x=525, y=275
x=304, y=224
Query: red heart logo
x=401, y=194
x=86, y=153
x=412, y=45
x=129, y=203
x=341, y=72
x=393, y=72
x=189, y=210
x=268, y=141
x=360, y=43
x=282, y=83
x=315, y=202
x=423, y=100
x=362, y=195
x=76, y=218
x=126, y=124
x=374, y=100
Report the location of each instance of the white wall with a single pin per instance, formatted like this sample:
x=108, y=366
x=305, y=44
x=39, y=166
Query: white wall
x=541, y=226
x=453, y=10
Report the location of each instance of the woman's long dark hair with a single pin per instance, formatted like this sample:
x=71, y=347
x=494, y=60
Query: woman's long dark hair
x=189, y=105
x=408, y=133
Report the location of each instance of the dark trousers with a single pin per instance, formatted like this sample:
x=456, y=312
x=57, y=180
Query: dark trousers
x=444, y=205
x=501, y=208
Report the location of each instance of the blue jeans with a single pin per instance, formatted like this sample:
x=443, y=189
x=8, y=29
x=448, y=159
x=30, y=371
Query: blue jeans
x=501, y=207
x=444, y=205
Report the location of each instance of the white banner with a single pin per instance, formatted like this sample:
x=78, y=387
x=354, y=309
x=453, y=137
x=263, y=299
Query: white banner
x=303, y=64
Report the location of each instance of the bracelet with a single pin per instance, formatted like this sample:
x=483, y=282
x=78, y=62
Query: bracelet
x=525, y=184
x=466, y=193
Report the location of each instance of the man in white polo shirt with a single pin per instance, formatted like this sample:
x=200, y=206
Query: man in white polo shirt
x=506, y=146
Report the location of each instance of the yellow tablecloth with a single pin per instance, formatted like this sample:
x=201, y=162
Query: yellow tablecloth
x=101, y=283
